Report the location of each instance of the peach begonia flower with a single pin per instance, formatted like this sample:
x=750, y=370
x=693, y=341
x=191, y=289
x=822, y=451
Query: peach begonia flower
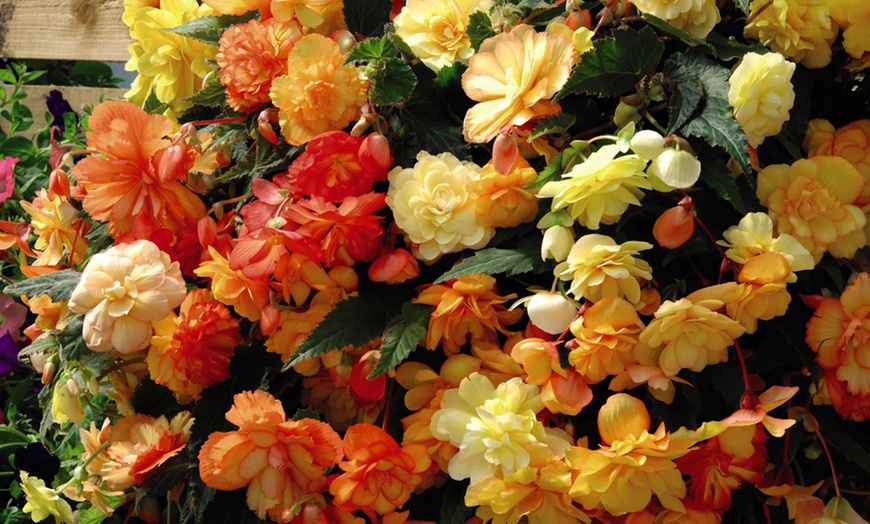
x=467, y=309
x=537, y=494
x=599, y=189
x=130, y=182
x=503, y=200
x=378, y=475
x=321, y=16
x=839, y=333
x=170, y=65
x=814, y=200
x=852, y=142
x=278, y=460
x=800, y=30
x=761, y=94
x=319, y=93
x=753, y=236
x=563, y=390
x=250, y=56
x=598, y=267
x=60, y=232
x=513, y=77
x=761, y=291
x=121, y=291
x=93, y=486
x=696, y=17
x=43, y=502
x=604, y=339
x=755, y=409
x=632, y=465
x=856, y=36
x=495, y=428
x=436, y=31
x=434, y=207
x=690, y=333
x=247, y=296
x=139, y=444
x=191, y=351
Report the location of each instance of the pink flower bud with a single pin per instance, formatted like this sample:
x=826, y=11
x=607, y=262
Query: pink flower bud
x=504, y=153
x=172, y=164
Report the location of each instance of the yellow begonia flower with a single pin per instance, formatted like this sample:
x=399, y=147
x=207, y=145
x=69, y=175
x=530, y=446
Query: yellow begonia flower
x=761, y=293
x=43, y=502
x=856, y=37
x=436, y=30
x=598, y=267
x=753, y=236
x=605, y=337
x=60, y=232
x=696, y=17
x=761, y=94
x=800, y=30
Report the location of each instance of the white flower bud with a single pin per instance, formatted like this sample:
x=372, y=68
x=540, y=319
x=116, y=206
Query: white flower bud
x=647, y=144
x=677, y=168
x=551, y=312
x=557, y=243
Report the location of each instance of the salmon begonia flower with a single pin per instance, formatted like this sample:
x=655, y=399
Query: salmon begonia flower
x=134, y=181
x=121, y=291
x=278, y=460
x=513, y=77
x=319, y=93
x=503, y=200
x=191, y=351
x=563, y=390
x=467, y=309
x=756, y=410
x=378, y=474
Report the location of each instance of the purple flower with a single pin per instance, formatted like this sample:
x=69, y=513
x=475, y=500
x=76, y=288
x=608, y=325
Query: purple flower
x=37, y=460
x=57, y=106
x=7, y=179
x=8, y=354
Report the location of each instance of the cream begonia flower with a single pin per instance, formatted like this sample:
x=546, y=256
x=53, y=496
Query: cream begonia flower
x=600, y=189
x=432, y=205
x=753, y=236
x=436, y=30
x=696, y=17
x=512, y=77
x=801, y=30
x=761, y=95
x=43, y=502
x=493, y=427
x=598, y=267
x=121, y=291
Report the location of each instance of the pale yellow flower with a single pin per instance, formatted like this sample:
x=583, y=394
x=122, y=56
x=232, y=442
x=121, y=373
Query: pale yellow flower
x=434, y=208
x=169, y=65
x=753, y=236
x=761, y=94
x=598, y=267
x=319, y=93
x=512, y=77
x=66, y=404
x=436, y=30
x=494, y=428
x=121, y=291
x=60, y=232
x=696, y=17
x=43, y=502
x=800, y=30
x=600, y=189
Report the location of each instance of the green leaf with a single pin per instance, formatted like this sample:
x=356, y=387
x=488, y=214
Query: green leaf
x=208, y=29
x=714, y=122
x=494, y=261
x=666, y=27
x=551, y=173
x=47, y=344
x=302, y=413
x=91, y=515
x=372, y=49
x=728, y=49
x=58, y=285
x=393, y=81
x=214, y=94
x=367, y=17
x=686, y=93
x=351, y=323
x=716, y=174
x=552, y=125
x=17, y=146
x=263, y=160
x=402, y=338
x=453, y=508
x=479, y=29
x=615, y=65
x=72, y=345
x=199, y=496
x=743, y=5
x=450, y=75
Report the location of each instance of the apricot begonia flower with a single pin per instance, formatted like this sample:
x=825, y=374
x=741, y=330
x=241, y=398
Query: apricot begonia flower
x=192, y=350
x=604, y=339
x=761, y=94
x=855, y=37
x=322, y=16
x=436, y=31
x=60, y=232
x=121, y=291
x=598, y=267
x=852, y=142
x=696, y=17
x=563, y=390
x=278, y=460
x=503, y=200
x=467, y=309
x=319, y=93
x=757, y=410
x=814, y=200
x=800, y=30
x=378, y=474
x=127, y=184
x=250, y=56
x=513, y=77
x=761, y=293
x=753, y=236
x=248, y=296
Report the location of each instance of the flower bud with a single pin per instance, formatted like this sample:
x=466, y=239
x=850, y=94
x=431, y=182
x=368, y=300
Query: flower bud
x=58, y=183
x=344, y=39
x=367, y=389
x=172, y=164
x=504, y=153
x=557, y=243
x=552, y=312
x=674, y=227
x=628, y=111
x=73, y=387
x=622, y=416
x=48, y=371
x=579, y=19
x=647, y=144
x=676, y=168
x=394, y=267
x=264, y=127
x=376, y=147
x=269, y=318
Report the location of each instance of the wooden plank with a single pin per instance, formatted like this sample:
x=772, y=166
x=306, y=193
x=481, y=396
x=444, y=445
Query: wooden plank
x=78, y=97
x=64, y=30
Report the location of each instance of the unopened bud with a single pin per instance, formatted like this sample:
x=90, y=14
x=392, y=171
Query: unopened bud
x=73, y=387
x=557, y=243
x=377, y=148
x=504, y=153
x=674, y=227
x=676, y=168
x=647, y=144
x=552, y=312
x=48, y=371
x=58, y=183
x=344, y=39
x=264, y=127
x=171, y=164
x=579, y=19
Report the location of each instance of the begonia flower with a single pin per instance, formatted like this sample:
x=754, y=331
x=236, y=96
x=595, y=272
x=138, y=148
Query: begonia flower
x=598, y=267
x=436, y=31
x=800, y=30
x=696, y=17
x=761, y=94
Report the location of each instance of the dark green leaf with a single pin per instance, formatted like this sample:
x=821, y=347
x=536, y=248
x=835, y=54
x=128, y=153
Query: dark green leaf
x=306, y=413
x=479, y=29
x=208, y=29
x=695, y=246
x=552, y=125
x=717, y=175
x=551, y=173
x=686, y=93
x=743, y=5
x=666, y=27
x=833, y=429
x=263, y=160
x=495, y=261
x=47, y=344
x=199, y=496
x=393, y=81
x=214, y=94
x=351, y=323
x=372, y=49
x=450, y=75
x=17, y=146
x=728, y=49
x=367, y=17
x=453, y=508
x=615, y=65
x=58, y=285
x=72, y=345
x=714, y=122
x=402, y=338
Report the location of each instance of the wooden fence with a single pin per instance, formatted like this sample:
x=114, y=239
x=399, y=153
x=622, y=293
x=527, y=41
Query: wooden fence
x=64, y=30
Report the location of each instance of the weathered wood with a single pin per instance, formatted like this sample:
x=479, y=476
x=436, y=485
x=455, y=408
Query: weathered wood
x=78, y=97
x=64, y=30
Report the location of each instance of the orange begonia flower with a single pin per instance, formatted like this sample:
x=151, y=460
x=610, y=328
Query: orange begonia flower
x=279, y=460
x=379, y=475
x=248, y=296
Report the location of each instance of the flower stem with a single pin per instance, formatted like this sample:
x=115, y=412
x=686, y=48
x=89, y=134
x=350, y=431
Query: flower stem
x=742, y=361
